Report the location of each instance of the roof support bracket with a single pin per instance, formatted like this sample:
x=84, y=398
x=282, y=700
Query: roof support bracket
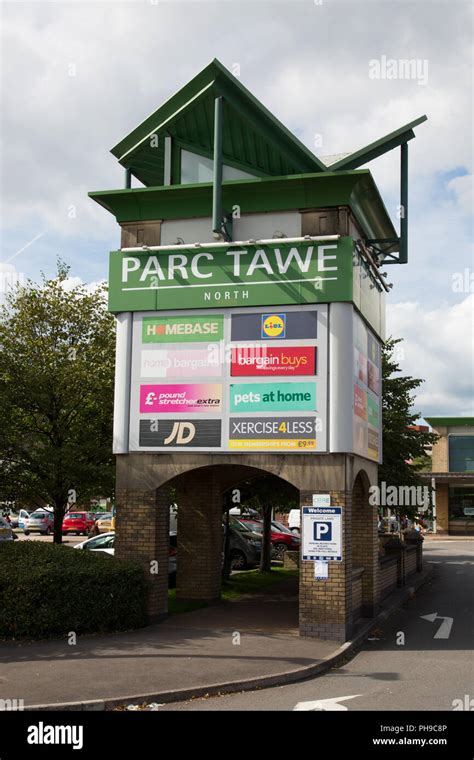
x=402, y=241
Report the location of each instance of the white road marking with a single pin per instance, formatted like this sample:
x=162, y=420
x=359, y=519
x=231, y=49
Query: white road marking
x=327, y=705
x=444, y=630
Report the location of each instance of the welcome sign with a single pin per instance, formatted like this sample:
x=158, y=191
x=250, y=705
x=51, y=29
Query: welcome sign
x=200, y=277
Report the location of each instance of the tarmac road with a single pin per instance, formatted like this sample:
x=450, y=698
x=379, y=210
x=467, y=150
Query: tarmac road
x=413, y=663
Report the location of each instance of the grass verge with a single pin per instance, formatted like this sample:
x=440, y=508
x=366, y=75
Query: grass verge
x=238, y=585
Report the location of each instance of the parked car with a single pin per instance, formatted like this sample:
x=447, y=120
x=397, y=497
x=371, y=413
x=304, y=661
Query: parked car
x=40, y=521
x=78, y=522
x=23, y=516
x=6, y=532
x=11, y=517
x=282, y=540
x=245, y=546
x=105, y=544
x=104, y=522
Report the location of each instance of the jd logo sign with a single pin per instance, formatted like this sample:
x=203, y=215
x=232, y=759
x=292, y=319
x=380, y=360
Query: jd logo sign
x=182, y=433
x=156, y=433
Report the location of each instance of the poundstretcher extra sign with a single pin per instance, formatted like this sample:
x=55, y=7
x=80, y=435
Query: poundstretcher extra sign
x=196, y=277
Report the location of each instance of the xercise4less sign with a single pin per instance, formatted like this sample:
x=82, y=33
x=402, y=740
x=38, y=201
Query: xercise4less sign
x=281, y=273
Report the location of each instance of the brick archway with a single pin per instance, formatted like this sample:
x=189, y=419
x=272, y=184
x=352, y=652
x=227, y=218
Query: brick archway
x=199, y=492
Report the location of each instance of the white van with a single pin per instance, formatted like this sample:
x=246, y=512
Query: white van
x=294, y=520
x=174, y=518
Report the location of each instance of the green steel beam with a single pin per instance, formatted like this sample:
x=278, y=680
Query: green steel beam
x=128, y=179
x=217, y=167
x=403, y=255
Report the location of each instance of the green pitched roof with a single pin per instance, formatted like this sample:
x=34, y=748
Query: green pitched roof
x=450, y=421
x=253, y=139
x=379, y=147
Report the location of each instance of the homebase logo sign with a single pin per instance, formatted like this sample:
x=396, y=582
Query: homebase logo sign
x=272, y=397
x=193, y=329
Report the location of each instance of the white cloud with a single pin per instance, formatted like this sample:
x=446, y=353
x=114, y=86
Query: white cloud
x=462, y=188
x=437, y=347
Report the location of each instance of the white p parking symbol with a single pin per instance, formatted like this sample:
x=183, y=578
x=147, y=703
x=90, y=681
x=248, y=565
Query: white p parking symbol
x=322, y=531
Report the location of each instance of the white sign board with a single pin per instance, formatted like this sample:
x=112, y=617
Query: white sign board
x=321, y=570
x=321, y=500
x=243, y=379
x=322, y=533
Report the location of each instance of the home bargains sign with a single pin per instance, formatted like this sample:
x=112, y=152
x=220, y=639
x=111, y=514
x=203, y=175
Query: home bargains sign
x=200, y=277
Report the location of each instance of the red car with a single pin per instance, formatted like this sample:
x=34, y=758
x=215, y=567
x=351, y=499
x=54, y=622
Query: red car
x=78, y=522
x=282, y=539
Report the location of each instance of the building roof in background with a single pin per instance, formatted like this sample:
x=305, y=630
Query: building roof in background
x=450, y=421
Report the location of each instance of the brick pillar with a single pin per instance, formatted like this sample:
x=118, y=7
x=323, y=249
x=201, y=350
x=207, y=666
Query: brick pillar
x=365, y=546
x=442, y=509
x=142, y=526
x=200, y=536
x=326, y=606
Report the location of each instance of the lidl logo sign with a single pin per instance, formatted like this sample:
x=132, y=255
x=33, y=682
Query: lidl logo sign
x=273, y=325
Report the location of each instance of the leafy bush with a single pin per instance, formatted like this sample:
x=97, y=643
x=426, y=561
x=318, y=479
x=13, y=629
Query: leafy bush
x=49, y=590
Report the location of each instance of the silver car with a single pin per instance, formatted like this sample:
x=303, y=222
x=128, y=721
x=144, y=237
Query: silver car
x=40, y=521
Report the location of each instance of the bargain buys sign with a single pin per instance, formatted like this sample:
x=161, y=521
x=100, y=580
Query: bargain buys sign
x=264, y=360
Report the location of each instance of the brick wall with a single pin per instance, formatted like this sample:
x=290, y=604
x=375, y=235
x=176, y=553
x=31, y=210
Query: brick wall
x=356, y=595
x=142, y=534
x=200, y=536
x=326, y=606
x=388, y=576
x=365, y=545
x=440, y=451
x=410, y=560
x=442, y=508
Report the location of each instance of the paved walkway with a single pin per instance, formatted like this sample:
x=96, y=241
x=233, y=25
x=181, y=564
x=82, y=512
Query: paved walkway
x=219, y=648
x=189, y=650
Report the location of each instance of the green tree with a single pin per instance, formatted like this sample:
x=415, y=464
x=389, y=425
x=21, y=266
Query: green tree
x=404, y=455
x=56, y=395
x=264, y=494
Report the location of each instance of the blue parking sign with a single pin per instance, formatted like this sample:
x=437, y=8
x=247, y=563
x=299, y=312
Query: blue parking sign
x=322, y=534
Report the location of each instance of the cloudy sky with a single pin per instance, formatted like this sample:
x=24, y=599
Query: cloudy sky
x=79, y=75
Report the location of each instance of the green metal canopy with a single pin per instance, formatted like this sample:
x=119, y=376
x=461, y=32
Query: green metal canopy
x=214, y=116
x=379, y=147
x=253, y=139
